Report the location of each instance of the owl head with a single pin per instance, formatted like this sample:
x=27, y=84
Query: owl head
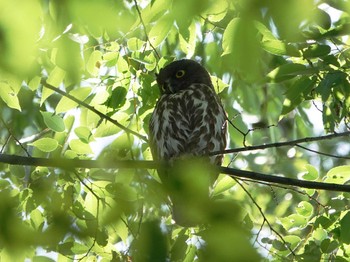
x=180, y=74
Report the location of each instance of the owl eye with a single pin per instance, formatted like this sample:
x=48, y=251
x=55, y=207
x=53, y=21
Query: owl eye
x=180, y=73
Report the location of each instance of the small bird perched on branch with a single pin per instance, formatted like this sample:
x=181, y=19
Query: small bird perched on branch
x=188, y=122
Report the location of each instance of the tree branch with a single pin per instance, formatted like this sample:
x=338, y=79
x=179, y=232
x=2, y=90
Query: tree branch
x=236, y=173
x=281, y=144
x=144, y=29
x=103, y=116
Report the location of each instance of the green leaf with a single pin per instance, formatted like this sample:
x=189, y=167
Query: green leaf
x=286, y=71
x=328, y=246
x=330, y=80
x=217, y=11
x=223, y=184
x=294, y=222
x=83, y=133
x=311, y=174
x=345, y=228
x=55, y=78
x=107, y=128
x=242, y=48
x=160, y=30
x=45, y=144
x=36, y=219
x=297, y=93
x=293, y=240
x=34, y=83
x=316, y=50
x=122, y=191
x=338, y=175
x=136, y=44
x=80, y=147
x=42, y=259
x=9, y=96
x=319, y=235
x=178, y=250
x=68, y=57
x=54, y=122
x=118, y=97
x=188, y=43
x=305, y=209
x=277, y=47
x=66, y=104
x=94, y=62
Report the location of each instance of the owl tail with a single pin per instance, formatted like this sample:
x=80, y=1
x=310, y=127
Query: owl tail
x=188, y=182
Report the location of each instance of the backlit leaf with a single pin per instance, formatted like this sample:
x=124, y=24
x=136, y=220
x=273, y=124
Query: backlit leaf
x=45, y=144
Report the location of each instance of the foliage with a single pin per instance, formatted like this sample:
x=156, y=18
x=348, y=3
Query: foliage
x=281, y=69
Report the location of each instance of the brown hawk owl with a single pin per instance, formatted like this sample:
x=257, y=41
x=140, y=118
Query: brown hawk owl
x=188, y=119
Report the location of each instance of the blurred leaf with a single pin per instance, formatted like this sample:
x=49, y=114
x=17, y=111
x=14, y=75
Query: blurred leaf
x=19, y=32
x=68, y=58
x=42, y=259
x=178, y=250
x=316, y=50
x=345, y=228
x=151, y=243
x=241, y=45
x=55, y=79
x=101, y=16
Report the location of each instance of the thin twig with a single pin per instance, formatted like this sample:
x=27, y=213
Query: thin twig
x=144, y=28
x=322, y=153
x=281, y=144
x=87, y=106
x=14, y=137
x=264, y=217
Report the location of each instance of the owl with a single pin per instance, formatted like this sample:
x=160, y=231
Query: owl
x=188, y=120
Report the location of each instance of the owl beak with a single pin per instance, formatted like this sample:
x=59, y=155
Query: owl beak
x=167, y=86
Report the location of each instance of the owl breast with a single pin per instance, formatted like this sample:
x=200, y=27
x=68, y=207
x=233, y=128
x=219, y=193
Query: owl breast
x=190, y=122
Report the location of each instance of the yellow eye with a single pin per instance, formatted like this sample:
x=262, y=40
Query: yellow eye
x=180, y=73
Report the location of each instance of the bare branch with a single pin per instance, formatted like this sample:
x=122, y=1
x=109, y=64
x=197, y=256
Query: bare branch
x=281, y=144
x=322, y=153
